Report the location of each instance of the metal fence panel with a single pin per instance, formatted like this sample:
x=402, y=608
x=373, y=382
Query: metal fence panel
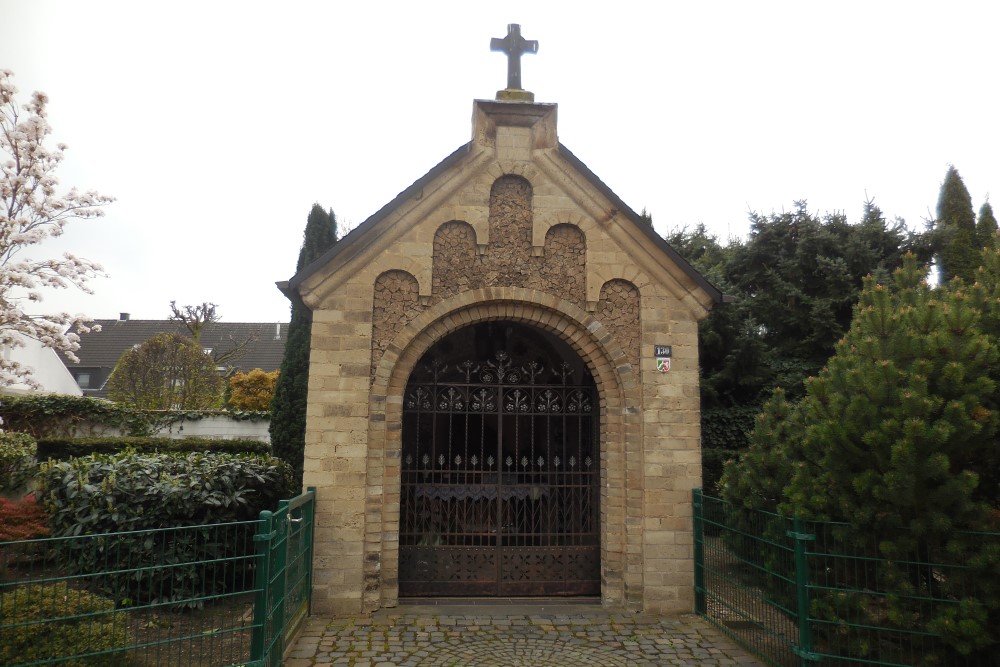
x=820, y=593
x=193, y=595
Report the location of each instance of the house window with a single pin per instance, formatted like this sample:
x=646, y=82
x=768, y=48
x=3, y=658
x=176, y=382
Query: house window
x=83, y=379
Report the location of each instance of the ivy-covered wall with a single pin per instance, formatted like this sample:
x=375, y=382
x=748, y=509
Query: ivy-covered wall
x=55, y=415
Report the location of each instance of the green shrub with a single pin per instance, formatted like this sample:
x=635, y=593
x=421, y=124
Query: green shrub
x=133, y=491
x=89, y=624
x=129, y=491
x=64, y=448
x=22, y=519
x=17, y=461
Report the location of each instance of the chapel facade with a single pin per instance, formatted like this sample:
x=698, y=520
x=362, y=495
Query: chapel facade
x=503, y=386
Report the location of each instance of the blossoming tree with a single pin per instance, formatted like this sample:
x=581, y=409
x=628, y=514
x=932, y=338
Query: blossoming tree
x=31, y=211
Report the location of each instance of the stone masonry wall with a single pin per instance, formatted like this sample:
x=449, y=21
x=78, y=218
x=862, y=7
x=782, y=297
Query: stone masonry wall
x=457, y=266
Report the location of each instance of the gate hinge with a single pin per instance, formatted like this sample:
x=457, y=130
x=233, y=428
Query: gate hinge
x=265, y=537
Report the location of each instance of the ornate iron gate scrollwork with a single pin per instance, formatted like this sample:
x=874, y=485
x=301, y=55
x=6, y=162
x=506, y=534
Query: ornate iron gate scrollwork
x=500, y=479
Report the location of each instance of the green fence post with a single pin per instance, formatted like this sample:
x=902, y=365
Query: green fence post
x=311, y=527
x=279, y=570
x=263, y=537
x=699, y=553
x=804, y=648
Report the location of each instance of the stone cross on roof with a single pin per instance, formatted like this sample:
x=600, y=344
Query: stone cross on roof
x=514, y=45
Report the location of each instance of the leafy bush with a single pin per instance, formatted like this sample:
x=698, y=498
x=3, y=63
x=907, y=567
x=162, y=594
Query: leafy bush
x=92, y=626
x=133, y=491
x=17, y=461
x=129, y=491
x=22, y=519
x=253, y=390
x=64, y=448
x=167, y=372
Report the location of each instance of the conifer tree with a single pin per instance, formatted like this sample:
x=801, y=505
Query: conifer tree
x=288, y=408
x=986, y=227
x=897, y=435
x=955, y=230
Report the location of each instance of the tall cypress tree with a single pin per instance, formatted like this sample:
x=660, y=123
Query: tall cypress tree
x=288, y=409
x=957, y=247
x=986, y=227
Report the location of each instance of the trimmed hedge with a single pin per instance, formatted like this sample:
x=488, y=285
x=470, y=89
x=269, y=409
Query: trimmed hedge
x=93, y=626
x=61, y=449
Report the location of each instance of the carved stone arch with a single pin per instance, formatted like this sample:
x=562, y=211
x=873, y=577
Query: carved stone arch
x=599, y=275
x=525, y=170
x=620, y=429
x=456, y=265
x=395, y=303
x=618, y=309
x=418, y=267
x=474, y=216
x=544, y=223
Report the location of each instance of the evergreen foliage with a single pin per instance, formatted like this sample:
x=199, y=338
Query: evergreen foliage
x=288, y=408
x=794, y=283
x=955, y=233
x=897, y=435
x=986, y=227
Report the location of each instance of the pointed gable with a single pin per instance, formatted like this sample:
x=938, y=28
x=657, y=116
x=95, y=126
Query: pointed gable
x=510, y=233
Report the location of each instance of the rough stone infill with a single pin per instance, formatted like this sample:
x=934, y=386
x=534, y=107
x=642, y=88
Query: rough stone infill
x=470, y=638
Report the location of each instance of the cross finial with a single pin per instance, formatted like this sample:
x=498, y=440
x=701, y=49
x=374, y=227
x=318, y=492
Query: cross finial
x=514, y=45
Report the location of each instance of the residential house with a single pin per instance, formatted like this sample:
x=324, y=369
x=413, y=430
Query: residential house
x=47, y=369
x=100, y=350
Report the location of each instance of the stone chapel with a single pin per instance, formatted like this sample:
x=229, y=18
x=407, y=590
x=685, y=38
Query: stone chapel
x=503, y=385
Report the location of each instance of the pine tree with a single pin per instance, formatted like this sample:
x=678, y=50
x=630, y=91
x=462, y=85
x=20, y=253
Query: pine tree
x=955, y=230
x=288, y=408
x=986, y=227
x=897, y=435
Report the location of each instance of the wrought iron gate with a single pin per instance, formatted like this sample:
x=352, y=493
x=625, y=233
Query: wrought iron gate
x=500, y=480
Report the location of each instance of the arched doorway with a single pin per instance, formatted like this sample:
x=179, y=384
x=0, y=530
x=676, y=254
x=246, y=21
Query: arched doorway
x=500, y=468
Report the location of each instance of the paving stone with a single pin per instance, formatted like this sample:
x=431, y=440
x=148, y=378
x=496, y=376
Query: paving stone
x=514, y=637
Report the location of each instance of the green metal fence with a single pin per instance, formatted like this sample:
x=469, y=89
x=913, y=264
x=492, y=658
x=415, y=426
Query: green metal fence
x=822, y=593
x=202, y=596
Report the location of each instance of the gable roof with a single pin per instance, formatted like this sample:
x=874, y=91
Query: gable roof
x=101, y=350
x=289, y=287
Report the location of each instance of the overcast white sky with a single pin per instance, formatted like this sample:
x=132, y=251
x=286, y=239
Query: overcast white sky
x=218, y=124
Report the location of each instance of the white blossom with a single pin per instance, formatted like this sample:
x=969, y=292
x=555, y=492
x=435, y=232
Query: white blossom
x=31, y=211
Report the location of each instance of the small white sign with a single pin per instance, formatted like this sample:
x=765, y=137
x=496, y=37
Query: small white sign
x=663, y=364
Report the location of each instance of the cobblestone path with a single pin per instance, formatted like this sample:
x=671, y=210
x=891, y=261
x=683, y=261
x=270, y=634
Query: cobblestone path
x=519, y=637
